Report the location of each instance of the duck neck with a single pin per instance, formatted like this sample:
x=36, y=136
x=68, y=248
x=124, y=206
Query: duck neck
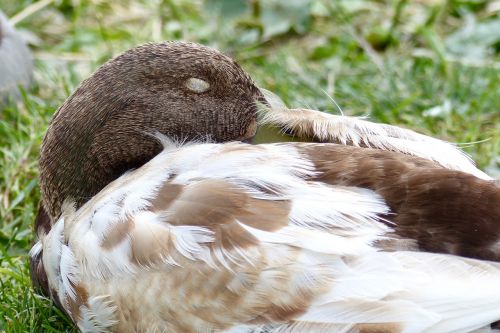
x=81, y=154
x=68, y=169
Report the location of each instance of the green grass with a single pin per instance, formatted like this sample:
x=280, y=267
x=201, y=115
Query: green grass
x=410, y=63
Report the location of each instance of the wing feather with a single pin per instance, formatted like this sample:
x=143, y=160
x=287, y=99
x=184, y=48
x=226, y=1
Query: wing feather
x=256, y=246
x=354, y=131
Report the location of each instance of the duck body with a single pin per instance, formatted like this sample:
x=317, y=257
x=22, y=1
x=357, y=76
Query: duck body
x=261, y=238
x=376, y=229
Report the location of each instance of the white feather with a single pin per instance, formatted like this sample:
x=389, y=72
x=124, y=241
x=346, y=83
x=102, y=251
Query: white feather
x=191, y=241
x=323, y=207
x=36, y=249
x=52, y=248
x=98, y=316
x=427, y=292
x=69, y=271
x=357, y=131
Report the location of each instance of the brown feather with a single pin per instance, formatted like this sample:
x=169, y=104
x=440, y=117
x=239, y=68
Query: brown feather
x=218, y=206
x=442, y=210
x=379, y=328
x=117, y=234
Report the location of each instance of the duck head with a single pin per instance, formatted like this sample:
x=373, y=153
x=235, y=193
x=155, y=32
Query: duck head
x=184, y=91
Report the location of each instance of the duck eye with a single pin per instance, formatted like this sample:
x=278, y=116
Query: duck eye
x=197, y=85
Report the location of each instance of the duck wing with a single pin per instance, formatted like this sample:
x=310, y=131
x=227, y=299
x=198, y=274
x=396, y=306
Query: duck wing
x=433, y=208
x=241, y=238
x=357, y=131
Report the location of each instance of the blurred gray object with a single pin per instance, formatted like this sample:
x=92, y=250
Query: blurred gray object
x=16, y=63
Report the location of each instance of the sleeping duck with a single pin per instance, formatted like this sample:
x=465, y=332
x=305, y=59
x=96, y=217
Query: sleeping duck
x=16, y=64
x=157, y=216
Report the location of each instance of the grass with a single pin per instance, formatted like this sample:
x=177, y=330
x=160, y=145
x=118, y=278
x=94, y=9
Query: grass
x=429, y=65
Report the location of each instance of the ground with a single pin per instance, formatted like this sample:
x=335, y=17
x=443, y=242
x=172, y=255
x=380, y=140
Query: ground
x=429, y=65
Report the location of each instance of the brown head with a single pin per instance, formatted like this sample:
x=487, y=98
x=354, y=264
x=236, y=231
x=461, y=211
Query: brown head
x=182, y=90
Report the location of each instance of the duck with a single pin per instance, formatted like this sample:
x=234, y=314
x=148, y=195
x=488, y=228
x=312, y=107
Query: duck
x=16, y=63
x=158, y=214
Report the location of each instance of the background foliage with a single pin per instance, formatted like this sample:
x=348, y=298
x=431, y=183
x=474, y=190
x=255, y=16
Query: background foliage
x=429, y=65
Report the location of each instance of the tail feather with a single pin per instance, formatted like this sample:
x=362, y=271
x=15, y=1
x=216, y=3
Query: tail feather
x=420, y=292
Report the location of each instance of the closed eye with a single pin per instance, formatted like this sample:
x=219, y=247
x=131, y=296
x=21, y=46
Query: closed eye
x=197, y=85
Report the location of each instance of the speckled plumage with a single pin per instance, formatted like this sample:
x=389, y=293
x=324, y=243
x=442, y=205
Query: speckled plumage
x=222, y=236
